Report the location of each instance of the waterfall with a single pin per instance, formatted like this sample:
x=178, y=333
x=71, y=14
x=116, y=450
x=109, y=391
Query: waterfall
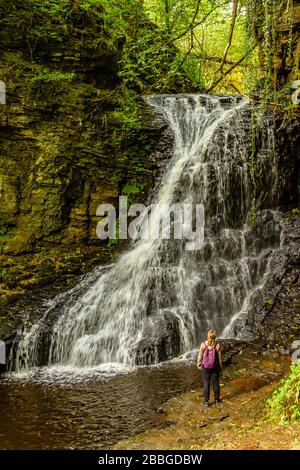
x=159, y=299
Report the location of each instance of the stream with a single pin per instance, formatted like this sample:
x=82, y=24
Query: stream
x=56, y=408
x=156, y=302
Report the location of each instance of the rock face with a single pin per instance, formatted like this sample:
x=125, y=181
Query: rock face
x=72, y=137
x=274, y=312
x=67, y=145
x=287, y=54
x=277, y=31
x=274, y=316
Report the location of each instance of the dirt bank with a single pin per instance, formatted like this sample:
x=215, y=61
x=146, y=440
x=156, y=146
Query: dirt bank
x=240, y=422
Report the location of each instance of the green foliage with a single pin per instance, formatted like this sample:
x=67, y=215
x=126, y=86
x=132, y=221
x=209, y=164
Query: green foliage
x=130, y=189
x=49, y=7
x=284, y=405
x=50, y=76
x=169, y=45
x=87, y=5
x=127, y=113
x=37, y=20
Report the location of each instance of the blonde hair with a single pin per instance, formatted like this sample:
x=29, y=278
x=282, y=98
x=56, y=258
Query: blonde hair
x=211, y=337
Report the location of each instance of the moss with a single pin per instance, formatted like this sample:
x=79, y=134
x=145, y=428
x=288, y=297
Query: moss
x=50, y=76
x=74, y=148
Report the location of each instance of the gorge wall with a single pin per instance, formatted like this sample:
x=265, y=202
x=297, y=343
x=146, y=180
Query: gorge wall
x=67, y=144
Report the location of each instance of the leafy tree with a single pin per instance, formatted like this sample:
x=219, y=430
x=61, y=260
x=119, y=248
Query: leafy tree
x=169, y=45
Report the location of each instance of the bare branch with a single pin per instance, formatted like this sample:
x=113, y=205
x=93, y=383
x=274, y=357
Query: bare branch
x=230, y=69
x=232, y=25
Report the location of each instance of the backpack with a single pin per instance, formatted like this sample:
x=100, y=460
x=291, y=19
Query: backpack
x=209, y=357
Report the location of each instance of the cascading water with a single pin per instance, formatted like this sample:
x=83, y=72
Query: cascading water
x=159, y=299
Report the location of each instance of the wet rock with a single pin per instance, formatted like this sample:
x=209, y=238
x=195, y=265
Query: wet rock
x=160, y=341
x=275, y=313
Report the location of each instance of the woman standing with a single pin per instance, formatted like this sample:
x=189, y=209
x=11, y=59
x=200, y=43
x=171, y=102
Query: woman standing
x=210, y=361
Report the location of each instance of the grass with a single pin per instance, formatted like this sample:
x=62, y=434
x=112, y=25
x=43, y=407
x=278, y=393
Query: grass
x=284, y=404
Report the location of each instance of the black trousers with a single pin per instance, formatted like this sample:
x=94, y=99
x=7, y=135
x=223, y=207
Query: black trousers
x=211, y=375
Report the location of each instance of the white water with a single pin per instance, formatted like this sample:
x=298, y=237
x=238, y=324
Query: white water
x=157, y=282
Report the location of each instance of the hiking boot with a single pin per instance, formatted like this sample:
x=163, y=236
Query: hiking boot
x=206, y=403
x=217, y=402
